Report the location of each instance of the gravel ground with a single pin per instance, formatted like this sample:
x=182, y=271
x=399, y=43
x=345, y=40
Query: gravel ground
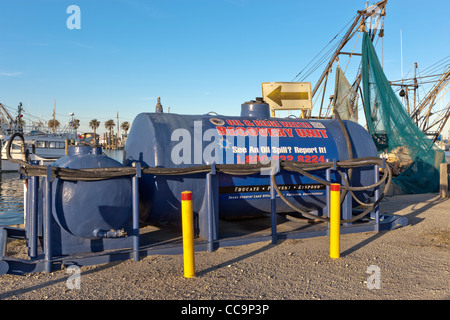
x=412, y=262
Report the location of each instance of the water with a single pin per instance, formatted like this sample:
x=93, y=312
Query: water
x=115, y=154
x=11, y=193
x=11, y=198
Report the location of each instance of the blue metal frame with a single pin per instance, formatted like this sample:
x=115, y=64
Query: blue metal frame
x=208, y=223
x=47, y=221
x=211, y=214
x=273, y=203
x=135, y=191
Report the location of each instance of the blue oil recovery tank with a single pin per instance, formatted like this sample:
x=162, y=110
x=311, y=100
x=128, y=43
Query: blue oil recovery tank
x=174, y=141
x=88, y=208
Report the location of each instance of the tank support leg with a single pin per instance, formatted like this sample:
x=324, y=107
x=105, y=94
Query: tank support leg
x=135, y=194
x=33, y=229
x=211, y=208
x=273, y=212
x=47, y=221
x=210, y=214
x=3, y=240
x=377, y=196
x=347, y=205
x=273, y=202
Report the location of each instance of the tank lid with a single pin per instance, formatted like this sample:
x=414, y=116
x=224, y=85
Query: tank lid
x=257, y=100
x=255, y=109
x=97, y=150
x=79, y=150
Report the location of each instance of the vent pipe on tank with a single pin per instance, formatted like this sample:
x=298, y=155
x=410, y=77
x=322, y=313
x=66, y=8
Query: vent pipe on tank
x=159, y=108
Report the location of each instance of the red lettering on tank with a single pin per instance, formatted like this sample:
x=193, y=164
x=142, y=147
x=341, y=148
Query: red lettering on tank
x=241, y=131
x=275, y=132
x=234, y=122
x=323, y=132
x=252, y=131
x=311, y=133
x=231, y=131
x=291, y=124
x=305, y=125
x=300, y=132
x=262, y=132
x=273, y=123
x=287, y=124
x=248, y=123
x=288, y=131
x=260, y=123
x=222, y=131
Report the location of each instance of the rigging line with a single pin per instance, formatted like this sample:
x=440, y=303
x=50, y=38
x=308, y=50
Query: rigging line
x=403, y=80
x=318, y=63
x=312, y=61
x=325, y=47
x=332, y=51
x=412, y=79
x=422, y=88
x=431, y=81
x=436, y=69
x=10, y=109
x=437, y=65
x=324, y=59
x=447, y=57
x=356, y=42
x=342, y=43
x=28, y=115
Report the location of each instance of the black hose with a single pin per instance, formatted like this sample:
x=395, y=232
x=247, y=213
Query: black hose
x=387, y=177
x=8, y=149
x=349, y=148
x=95, y=174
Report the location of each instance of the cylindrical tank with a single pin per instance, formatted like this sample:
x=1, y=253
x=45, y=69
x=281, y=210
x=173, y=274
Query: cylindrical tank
x=173, y=141
x=88, y=209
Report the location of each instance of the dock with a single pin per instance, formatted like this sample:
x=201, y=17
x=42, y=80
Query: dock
x=413, y=262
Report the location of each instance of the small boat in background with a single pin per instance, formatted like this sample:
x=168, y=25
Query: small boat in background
x=42, y=144
x=43, y=148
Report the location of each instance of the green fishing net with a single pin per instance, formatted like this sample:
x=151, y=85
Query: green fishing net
x=413, y=155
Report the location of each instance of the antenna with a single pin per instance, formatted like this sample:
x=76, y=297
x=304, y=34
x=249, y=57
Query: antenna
x=54, y=116
x=401, y=53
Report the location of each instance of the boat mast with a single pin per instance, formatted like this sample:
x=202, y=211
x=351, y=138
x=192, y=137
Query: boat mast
x=54, y=116
x=423, y=112
x=357, y=25
x=6, y=116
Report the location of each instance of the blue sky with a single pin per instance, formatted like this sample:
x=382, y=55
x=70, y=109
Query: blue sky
x=197, y=55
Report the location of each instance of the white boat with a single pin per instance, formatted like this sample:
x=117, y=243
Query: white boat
x=43, y=148
x=42, y=144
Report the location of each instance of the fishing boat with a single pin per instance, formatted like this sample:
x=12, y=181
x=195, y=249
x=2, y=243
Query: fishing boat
x=41, y=144
x=405, y=129
x=42, y=148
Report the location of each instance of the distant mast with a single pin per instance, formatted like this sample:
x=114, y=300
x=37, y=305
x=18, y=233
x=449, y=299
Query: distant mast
x=54, y=116
x=401, y=54
x=158, y=107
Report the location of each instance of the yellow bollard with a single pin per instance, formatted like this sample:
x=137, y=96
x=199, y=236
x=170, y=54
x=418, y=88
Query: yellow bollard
x=335, y=220
x=188, y=234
